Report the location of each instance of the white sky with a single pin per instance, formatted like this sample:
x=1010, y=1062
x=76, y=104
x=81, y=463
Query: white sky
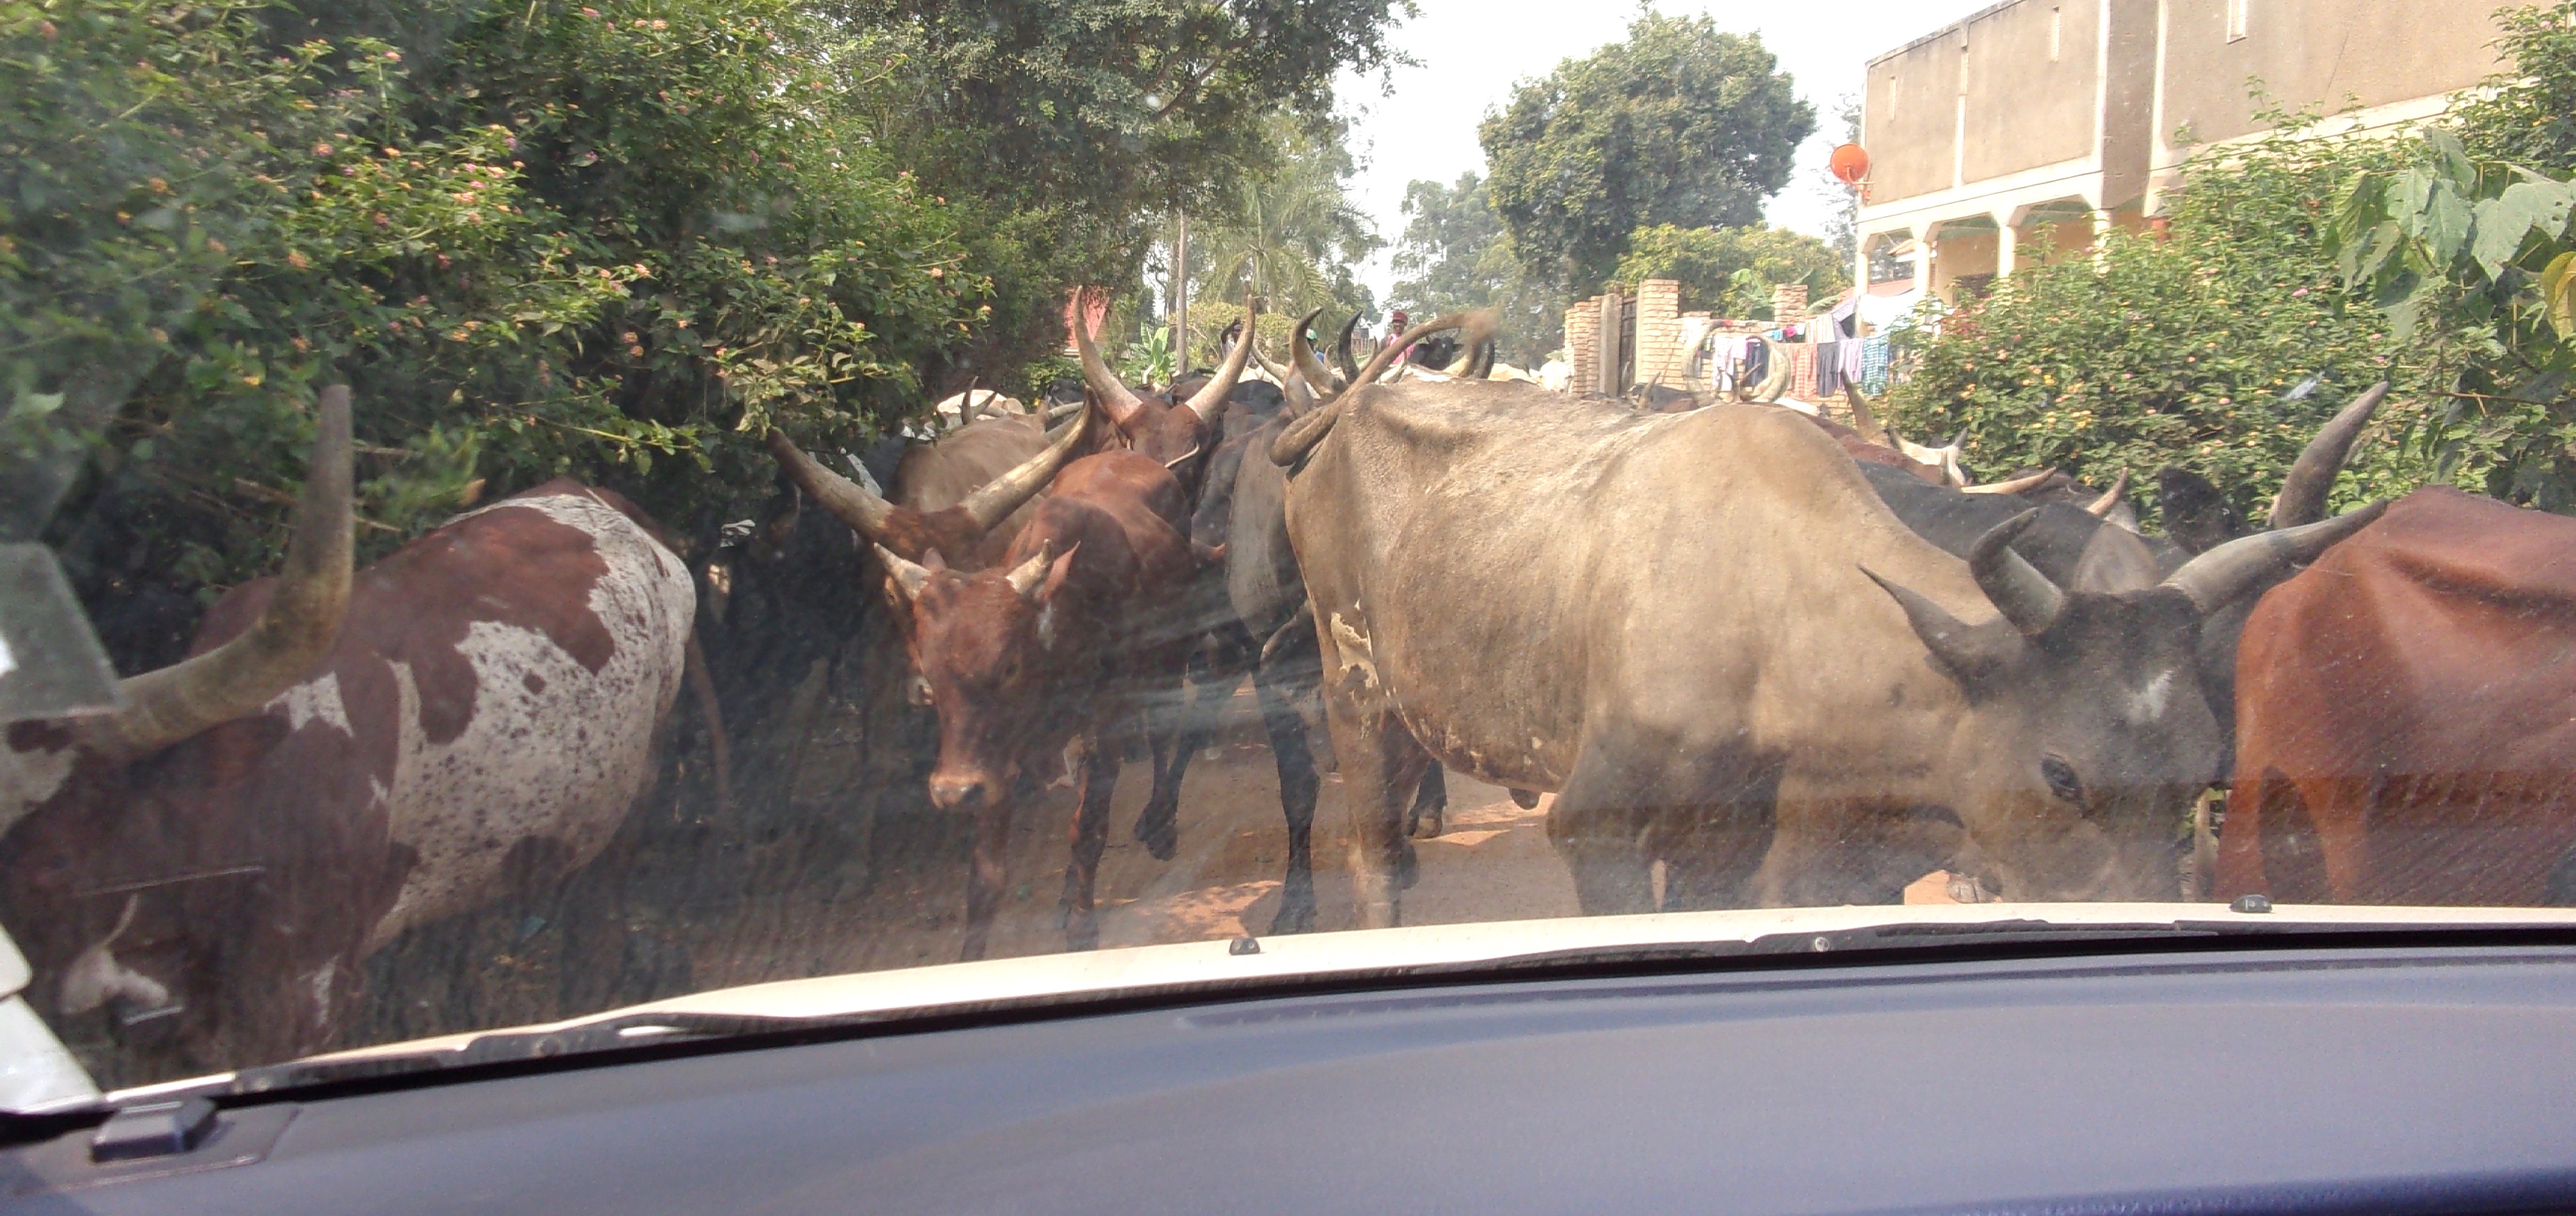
x=1473, y=51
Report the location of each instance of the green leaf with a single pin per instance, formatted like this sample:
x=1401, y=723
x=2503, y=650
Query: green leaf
x=2452, y=158
x=2558, y=294
x=2447, y=221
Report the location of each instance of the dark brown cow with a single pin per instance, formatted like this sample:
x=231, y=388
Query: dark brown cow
x=975, y=527
x=2407, y=716
x=1076, y=635
x=211, y=864
x=1179, y=435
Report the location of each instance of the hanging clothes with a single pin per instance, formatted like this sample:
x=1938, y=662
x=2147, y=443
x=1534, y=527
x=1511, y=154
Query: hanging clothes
x=1829, y=368
x=1802, y=371
x=1753, y=360
x=1873, y=366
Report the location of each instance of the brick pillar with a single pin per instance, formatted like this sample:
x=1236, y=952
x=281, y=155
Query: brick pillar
x=1581, y=352
x=1788, y=303
x=1659, y=332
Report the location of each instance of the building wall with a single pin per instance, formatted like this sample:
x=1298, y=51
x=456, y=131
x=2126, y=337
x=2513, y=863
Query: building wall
x=2032, y=72
x=2315, y=52
x=1910, y=117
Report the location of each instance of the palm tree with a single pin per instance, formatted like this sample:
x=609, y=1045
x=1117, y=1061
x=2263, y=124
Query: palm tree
x=1285, y=234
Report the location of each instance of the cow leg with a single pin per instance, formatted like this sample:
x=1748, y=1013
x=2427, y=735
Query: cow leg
x=1596, y=829
x=1095, y=774
x=987, y=874
x=1381, y=765
x=1430, y=804
x=1159, y=825
x=1297, y=786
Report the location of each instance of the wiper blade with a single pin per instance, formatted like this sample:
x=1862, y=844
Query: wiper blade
x=625, y=1032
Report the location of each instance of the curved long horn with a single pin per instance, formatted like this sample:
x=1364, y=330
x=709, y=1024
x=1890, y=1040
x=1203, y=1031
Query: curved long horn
x=848, y=501
x=2226, y=573
x=1114, y=395
x=993, y=502
x=2101, y=508
x=1342, y=350
x=1864, y=419
x=1278, y=374
x=2018, y=590
x=1302, y=355
x=1292, y=444
x=911, y=576
x=1208, y=400
x=1775, y=380
x=2302, y=499
x=1473, y=337
x=293, y=633
x=2018, y=485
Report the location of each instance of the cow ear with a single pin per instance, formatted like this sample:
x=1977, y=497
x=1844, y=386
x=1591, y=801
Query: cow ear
x=1056, y=574
x=1973, y=656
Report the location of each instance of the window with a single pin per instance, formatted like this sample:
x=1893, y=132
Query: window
x=2056, y=33
x=2236, y=19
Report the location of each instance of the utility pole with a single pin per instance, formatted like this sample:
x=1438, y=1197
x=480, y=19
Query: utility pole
x=1180, y=295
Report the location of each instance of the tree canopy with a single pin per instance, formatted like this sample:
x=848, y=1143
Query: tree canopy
x=1454, y=254
x=1680, y=124
x=1730, y=271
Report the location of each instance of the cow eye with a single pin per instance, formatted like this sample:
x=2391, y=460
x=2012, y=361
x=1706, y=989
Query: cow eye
x=2061, y=779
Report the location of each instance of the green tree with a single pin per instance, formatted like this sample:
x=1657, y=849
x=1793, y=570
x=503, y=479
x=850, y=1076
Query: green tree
x=1454, y=255
x=1730, y=271
x=1680, y=124
x=2527, y=116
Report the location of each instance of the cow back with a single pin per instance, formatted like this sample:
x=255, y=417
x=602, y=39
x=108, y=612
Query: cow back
x=2407, y=714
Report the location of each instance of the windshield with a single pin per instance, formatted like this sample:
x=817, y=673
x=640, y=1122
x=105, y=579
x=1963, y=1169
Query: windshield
x=519, y=508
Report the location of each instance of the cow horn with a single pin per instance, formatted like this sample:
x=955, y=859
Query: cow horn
x=1342, y=350
x=1208, y=400
x=1473, y=338
x=849, y=502
x=291, y=636
x=993, y=502
x=2226, y=573
x=1175, y=463
x=2302, y=499
x=1301, y=355
x=1026, y=577
x=2101, y=508
x=1776, y=366
x=1301, y=399
x=1864, y=419
x=1278, y=374
x=2018, y=590
x=910, y=575
x=1301, y=436
x=1114, y=394
x=1952, y=642
x=2019, y=485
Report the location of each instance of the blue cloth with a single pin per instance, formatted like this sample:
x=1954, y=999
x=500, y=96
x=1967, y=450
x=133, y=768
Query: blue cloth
x=1873, y=365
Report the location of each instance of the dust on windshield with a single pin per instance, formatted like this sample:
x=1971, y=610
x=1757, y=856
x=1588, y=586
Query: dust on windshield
x=515, y=509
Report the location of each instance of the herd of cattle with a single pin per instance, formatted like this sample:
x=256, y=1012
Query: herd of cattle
x=1790, y=661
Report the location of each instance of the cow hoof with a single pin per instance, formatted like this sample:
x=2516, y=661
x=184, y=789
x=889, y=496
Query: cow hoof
x=1162, y=836
x=1526, y=800
x=1298, y=918
x=1427, y=826
x=1408, y=868
x=1082, y=932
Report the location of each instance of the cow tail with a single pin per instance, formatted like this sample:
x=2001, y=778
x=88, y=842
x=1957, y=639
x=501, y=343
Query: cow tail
x=702, y=688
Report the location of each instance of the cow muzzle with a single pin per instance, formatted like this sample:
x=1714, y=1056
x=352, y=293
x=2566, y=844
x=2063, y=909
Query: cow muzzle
x=966, y=790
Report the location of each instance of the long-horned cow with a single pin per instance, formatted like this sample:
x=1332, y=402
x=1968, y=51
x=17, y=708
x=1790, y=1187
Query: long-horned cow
x=340, y=759
x=1706, y=633
x=2407, y=716
x=1179, y=435
x=1073, y=636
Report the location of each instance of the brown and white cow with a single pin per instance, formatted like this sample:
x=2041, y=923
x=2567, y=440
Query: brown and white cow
x=219, y=856
x=1078, y=635
x=2406, y=716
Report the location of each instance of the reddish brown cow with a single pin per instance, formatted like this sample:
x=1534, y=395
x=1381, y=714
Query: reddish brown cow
x=1180, y=436
x=2406, y=715
x=1077, y=635
x=214, y=861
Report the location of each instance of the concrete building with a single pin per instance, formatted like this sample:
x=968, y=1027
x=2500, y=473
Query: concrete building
x=2048, y=120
